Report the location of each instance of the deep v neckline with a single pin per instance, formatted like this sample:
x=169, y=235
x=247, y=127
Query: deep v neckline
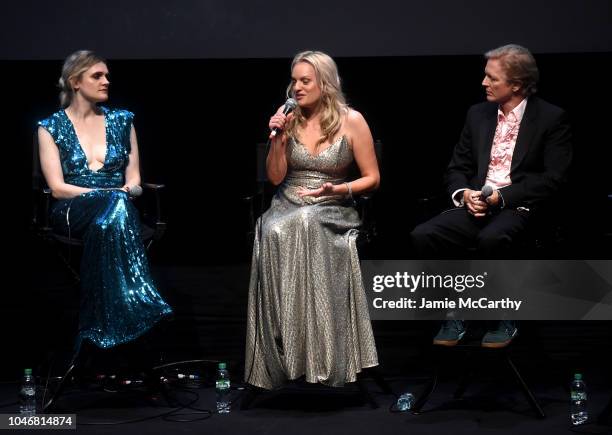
x=331, y=145
x=78, y=141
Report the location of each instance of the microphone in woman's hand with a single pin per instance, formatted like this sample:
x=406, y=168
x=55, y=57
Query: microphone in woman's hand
x=135, y=191
x=290, y=104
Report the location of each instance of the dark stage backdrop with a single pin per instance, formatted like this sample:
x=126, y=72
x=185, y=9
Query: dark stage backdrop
x=158, y=29
x=203, y=79
x=198, y=122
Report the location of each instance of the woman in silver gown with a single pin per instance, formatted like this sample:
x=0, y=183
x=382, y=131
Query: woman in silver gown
x=307, y=313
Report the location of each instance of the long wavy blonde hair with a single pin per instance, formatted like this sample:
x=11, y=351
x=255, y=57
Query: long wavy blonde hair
x=333, y=104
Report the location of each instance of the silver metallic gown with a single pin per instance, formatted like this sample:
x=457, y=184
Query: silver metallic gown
x=307, y=313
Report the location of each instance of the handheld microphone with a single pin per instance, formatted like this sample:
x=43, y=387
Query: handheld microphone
x=290, y=104
x=485, y=192
x=135, y=191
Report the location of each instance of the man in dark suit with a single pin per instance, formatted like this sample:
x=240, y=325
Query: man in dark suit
x=517, y=144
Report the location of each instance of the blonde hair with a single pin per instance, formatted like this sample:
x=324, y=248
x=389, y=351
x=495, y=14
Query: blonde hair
x=333, y=104
x=519, y=65
x=74, y=66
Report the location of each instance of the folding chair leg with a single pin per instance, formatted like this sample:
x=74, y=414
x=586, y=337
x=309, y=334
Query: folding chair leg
x=462, y=387
x=604, y=417
x=380, y=381
x=528, y=394
x=60, y=389
x=250, y=394
x=66, y=261
x=429, y=389
x=365, y=393
x=465, y=378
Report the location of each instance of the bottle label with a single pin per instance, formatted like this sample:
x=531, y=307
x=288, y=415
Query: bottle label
x=578, y=395
x=222, y=384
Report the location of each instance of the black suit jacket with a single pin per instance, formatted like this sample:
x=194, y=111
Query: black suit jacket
x=541, y=158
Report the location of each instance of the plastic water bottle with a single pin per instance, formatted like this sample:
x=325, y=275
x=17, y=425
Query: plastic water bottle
x=405, y=402
x=27, y=394
x=578, y=405
x=222, y=386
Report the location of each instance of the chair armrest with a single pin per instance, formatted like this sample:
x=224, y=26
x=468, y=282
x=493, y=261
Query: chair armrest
x=160, y=225
x=40, y=208
x=153, y=186
x=251, y=202
x=368, y=231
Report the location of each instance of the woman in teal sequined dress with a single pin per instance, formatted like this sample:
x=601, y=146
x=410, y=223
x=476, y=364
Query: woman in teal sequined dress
x=89, y=157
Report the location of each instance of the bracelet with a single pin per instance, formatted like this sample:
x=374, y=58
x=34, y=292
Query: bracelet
x=349, y=191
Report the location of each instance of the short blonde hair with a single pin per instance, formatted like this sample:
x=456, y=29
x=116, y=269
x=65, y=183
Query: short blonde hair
x=74, y=66
x=333, y=102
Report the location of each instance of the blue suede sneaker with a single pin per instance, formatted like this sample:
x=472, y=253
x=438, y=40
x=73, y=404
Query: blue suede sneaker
x=500, y=337
x=450, y=333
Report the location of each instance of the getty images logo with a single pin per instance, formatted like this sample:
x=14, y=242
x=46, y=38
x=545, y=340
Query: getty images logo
x=412, y=282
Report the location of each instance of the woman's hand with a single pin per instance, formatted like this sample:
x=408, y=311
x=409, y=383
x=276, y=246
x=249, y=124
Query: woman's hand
x=324, y=190
x=276, y=161
x=279, y=121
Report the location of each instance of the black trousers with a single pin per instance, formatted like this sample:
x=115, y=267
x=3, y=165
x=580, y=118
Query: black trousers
x=454, y=232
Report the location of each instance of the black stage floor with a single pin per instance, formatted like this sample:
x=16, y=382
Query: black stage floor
x=487, y=408
x=209, y=322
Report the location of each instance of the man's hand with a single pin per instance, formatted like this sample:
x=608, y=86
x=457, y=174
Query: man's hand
x=475, y=206
x=493, y=200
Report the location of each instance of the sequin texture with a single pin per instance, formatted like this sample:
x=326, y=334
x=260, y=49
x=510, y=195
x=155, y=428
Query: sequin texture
x=119, y=301
x=307, y=313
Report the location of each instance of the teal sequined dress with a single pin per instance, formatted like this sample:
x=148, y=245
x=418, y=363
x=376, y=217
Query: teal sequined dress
x=119, y=301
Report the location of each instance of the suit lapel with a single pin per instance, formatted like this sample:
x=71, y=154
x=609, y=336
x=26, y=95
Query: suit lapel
x=525, y=133
x=484, y=148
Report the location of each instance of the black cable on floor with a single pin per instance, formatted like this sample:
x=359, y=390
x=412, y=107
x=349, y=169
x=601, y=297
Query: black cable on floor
x=204, y=413
x=151, y=417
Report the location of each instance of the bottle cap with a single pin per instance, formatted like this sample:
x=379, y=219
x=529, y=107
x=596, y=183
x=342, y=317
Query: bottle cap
x=27, y=372
x=578, y=376
x=222, y=365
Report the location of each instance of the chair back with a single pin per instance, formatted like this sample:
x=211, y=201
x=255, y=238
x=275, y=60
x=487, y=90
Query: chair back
x=366, y=206
x=41, y=195
x=38, y=180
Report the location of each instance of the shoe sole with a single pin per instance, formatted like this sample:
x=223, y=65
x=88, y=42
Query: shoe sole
x=449, y=343
x=499, y=345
